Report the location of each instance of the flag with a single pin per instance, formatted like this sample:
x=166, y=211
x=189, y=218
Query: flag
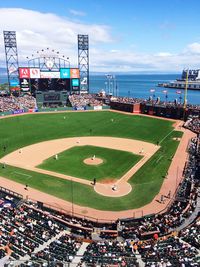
x=152, y=90
x=12, y=69
x=179, y=92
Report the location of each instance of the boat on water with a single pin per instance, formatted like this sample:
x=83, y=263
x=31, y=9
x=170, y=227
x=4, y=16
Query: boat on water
x=193, y=81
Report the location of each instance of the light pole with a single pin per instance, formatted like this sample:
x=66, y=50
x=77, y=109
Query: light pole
x=166, y=96
x=106, y=86
x=116, y=88
x=67, y=60
x=72, y=195
x=152, y=91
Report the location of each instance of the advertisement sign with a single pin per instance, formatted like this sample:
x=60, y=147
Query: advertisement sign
x=24, y=84
x=12, y=69
x=50, y=75
x=24, y=73
x=34, y=73
x=75, y=82
x=65, y=73
x=14, y=83
x=15, y=88
x=84, y=81
x=80, y=108
x=74, y=73
x=19, y=111
x=33, y=110
x=97, y=107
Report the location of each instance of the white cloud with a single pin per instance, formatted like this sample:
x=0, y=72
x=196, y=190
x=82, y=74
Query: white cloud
x=77, y=12
x=163, y=54
x=130, y=61
x=36, y=31
x=193, y=48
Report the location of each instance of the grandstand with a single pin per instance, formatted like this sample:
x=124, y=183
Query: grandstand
x=41, y=236
x=45, y=216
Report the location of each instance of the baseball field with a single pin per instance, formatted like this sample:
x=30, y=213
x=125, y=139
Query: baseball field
x=70, y=177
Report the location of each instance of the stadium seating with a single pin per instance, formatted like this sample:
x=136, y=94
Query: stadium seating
x=39, y=234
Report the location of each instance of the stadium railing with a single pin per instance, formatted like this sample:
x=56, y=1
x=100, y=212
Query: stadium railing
x=71, y=213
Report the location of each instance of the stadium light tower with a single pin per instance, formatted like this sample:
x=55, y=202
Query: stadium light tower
x=83, y=62
x=11, y=53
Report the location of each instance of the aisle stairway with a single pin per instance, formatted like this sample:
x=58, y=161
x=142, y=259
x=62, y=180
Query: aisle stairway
x=80, y=253
x=41, y=247
x=189, y=220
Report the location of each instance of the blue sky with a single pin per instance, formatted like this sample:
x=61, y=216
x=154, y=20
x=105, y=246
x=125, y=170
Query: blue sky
x=137, y=35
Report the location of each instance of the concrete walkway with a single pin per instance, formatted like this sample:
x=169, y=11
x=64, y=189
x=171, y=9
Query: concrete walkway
x=80, y=253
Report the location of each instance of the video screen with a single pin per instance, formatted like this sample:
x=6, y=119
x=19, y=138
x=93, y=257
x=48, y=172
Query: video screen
x=51, y=97
x=46, y=85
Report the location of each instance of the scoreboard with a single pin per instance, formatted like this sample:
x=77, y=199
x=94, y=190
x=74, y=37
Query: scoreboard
x=34, y=79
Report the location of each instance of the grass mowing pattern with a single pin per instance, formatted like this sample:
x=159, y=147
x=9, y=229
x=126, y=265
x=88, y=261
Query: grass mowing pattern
x=29, y=129
x=70, y=162
x=146, y=182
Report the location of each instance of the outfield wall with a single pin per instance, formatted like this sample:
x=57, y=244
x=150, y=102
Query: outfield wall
x=173, y=112
x=6, y=113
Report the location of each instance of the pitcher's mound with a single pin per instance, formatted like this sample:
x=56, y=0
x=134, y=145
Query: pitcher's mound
x=93, y=161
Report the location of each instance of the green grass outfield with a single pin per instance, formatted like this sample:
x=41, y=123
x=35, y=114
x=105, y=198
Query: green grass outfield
x=20, y=131
x=70, y=162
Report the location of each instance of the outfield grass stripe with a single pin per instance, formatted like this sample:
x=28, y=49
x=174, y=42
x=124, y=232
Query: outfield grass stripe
x=165, y=137
x=70, y=162
x=149, y=175
x=159, y=158
x=17, y=132
x=23, y=174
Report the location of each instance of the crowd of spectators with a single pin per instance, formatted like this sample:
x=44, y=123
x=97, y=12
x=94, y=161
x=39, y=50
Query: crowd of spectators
x=12, y=103
x=64, y=249
x=84, y=100
x=107, y=253
x=26, y=227
x=191, y=234
x=168, y=252
x=183, y=205
x=193, y=124
x=154, y=101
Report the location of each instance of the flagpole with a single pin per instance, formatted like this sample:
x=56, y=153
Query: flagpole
x=185, y=96
x=180, y=97
x=185, y=92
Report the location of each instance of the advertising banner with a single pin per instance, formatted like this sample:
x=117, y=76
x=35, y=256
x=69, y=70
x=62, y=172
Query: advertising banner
x=34, y=73
x=80, y=108
x=14, y=83
x=19, y=111
x=12, y=69
x=24, y=84
x=74, y=73
x=50, y=75
x=33, y=110
x=15, y=88
x=97, y=107
x=84, y=81
x=24, y=73
x=65, y=73
x=75, y=82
